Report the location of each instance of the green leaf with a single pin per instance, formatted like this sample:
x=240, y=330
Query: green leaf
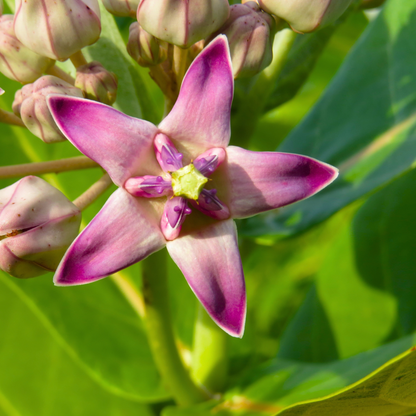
x=385, y=247
x=275, y=386
x=97, y=329
x=365, y=289
x=40, y=375
x=364, y=123
x=300, y=63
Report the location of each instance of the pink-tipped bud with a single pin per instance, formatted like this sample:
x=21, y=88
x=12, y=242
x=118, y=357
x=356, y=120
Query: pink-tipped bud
x=122, y=7
x=18, y=62
x=20, y=96
x=57, y=28
x=306, y=15
x=34, y=110
x=37, y=225
x=250, y=33
x=182, y=23
x=144, y=47
x=97, y=83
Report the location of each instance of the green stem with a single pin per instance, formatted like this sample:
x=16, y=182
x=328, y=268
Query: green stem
x=78, y=59
x=251, y=109
x=209, y=356
x=60, y=73
x=51, y=166
x=93, y=192
x=160, y=332
x=10, y=118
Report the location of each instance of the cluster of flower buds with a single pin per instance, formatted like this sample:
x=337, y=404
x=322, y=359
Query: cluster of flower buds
x=97, y=83
x=37, y=225
x=30, y=104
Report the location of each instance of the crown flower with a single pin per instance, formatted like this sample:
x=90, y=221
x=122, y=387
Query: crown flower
x=180, y=187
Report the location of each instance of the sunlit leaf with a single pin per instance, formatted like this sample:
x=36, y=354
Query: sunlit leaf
x=364, y=123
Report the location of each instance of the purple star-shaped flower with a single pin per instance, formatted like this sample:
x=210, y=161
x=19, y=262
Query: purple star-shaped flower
x=162, y=170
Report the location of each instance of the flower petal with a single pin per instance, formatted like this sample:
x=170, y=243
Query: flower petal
x=260, y=181
x=124, y=232
x=200, y=119
x=119, y=143
x=210, y=262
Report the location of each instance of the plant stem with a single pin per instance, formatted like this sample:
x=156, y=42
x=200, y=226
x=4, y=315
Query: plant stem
x=93, y=192
x=55, y=166
x=60, y=73
x=160, y=332
x=209, y=356
x=180, y=60
x=78, y=59
x=245, y=121
x=10, y=118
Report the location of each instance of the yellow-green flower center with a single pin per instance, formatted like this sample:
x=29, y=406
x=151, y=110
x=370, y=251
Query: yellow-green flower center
x=188, y=182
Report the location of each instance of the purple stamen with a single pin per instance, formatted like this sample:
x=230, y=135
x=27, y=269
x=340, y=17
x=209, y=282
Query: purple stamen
x=206, y=165
x=211, y=205
x=168, y=157
x=148, y=186
x=176, y=209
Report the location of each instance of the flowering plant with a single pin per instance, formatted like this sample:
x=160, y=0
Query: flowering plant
x=160, y=128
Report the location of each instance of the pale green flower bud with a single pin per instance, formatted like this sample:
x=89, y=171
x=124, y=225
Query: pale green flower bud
x=97, y=83
x=34, y=109
x=144, y=47
x=250, y=33
x=182, y=23
x=57, y=28
x=37, y=225
x=19, y=63
x=306, y=15
x=122, y=7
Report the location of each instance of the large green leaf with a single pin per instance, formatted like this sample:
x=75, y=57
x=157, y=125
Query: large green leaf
x=96, y=327
x=365, y=289
x=275, y=386
x=364, y=123
x=40, y=375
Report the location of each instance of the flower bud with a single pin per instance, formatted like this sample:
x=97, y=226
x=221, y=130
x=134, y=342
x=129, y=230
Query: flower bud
x=122, y=7
x=97, y=83
x=306, y=15
x=182, y=22
x=57, y=28
x=34, y=109
x=250, y=33
x=18, y=62
x=144, y=47
x=37, y=225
